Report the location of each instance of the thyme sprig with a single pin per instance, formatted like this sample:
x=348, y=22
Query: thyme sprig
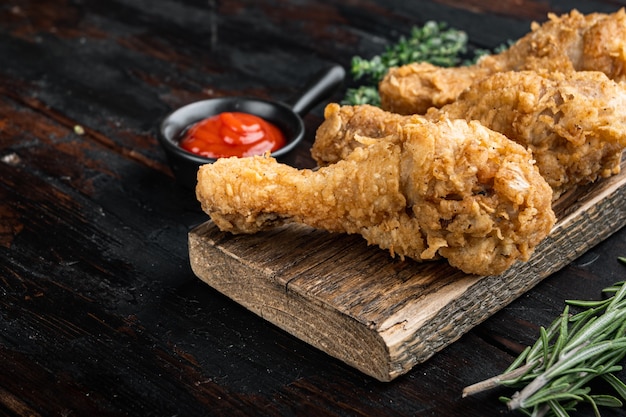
x=554, y=374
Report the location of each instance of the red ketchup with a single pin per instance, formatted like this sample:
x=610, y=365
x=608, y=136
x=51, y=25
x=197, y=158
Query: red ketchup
x=232, y=134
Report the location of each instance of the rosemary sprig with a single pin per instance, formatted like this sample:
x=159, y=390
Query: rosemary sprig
x=553, y=374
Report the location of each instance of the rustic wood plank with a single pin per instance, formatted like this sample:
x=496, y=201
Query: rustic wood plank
x=377, y=314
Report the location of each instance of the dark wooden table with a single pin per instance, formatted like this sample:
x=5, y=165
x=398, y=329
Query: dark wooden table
x=100, y=314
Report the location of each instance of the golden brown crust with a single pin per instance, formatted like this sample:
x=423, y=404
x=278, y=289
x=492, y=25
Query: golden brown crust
x=414, y=88
x=343, y=126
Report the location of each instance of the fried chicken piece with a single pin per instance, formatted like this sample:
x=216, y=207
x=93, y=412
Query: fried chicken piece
x=571, y=42
x=574, y=124
x=428, y=189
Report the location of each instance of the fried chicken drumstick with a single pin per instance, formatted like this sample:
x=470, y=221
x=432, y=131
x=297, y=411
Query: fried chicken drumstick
x=427, y=189
x=571, y=42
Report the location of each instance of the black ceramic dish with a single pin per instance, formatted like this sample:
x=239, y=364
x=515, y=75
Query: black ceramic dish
x=288, y=117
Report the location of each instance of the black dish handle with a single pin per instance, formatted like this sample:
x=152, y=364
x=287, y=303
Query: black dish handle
x=319, y=88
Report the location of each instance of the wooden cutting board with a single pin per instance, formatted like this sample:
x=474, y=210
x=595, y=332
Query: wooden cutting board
x=378, y=314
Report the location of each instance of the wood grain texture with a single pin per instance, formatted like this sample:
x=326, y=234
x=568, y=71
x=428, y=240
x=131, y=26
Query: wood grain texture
x=381, y=315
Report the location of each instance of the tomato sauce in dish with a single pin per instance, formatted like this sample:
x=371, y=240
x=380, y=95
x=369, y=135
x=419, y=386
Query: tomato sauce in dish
x=232, y=134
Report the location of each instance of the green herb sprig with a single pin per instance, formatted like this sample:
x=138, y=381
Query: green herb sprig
x=553, y=374
x=433, y=42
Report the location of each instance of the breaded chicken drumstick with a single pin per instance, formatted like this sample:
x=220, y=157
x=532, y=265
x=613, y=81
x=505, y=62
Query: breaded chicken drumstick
x=428, y=189
x=571, y=42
